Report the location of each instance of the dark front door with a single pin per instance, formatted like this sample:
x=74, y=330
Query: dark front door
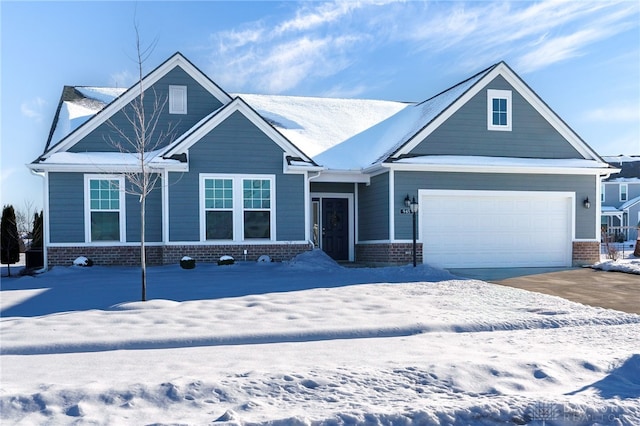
x=335, y=228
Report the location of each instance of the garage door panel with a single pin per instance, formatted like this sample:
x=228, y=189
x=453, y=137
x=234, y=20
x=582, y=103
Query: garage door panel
x=496, y=229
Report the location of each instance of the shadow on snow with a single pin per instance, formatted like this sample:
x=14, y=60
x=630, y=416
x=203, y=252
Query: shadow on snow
x=64, y=289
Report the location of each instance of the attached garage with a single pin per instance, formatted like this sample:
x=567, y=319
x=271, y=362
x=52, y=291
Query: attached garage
x=476, y=229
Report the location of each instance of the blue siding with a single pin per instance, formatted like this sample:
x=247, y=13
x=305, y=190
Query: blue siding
x=373, y=210
x=465, y=132
x=582, y=186
x=199, y=104
x=66, y=207
x=612, y=193
x=235, y=146
x=153, y=215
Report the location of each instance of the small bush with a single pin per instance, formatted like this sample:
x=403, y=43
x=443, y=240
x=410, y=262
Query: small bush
x=226, y=260
x=83, y=261
x=187, y=263
x=264, y=259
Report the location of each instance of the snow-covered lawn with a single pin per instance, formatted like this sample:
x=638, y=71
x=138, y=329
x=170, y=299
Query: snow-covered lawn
x=308, y=342
x=626, y=261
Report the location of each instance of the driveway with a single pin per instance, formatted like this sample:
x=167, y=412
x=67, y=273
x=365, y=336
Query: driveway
x=612, y=290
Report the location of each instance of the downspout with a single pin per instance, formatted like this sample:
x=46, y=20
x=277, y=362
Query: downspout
x=45, y=221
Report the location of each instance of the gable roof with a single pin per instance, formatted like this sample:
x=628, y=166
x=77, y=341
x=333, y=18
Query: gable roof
x=395, y=137
x=182, y=144
x=103, y=114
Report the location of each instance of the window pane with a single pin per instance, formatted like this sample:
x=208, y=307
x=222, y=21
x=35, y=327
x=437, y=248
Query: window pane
x=219, y=225
x=215, y=194
x=104, y=194
x=105, y=226
x=257, y=224
x=256, y=193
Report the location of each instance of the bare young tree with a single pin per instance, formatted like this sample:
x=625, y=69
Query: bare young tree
x=24, y=217
x=140, y=137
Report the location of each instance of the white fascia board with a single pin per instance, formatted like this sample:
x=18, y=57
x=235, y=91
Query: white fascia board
x=133, y=92
x=525, y=91
x=343, y=176
x=476, y=168
x=105, y=168
x=241, y=106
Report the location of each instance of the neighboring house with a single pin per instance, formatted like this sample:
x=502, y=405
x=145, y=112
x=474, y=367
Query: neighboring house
x=620, y=198
x=499, y=178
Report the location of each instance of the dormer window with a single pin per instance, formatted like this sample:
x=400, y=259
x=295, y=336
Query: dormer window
x=177, y=99
x=499, y=110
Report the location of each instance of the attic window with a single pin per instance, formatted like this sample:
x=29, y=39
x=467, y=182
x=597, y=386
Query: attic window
x=499, y=110
x=177, y=99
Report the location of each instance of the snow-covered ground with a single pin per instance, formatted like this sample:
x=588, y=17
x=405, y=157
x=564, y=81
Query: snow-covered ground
x=625, y=261
x=308, y=342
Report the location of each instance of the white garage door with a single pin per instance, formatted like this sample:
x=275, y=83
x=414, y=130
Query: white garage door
x=476, y=229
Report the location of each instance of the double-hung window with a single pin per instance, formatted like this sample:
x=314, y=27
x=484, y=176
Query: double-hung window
x=104, y=208
x=256, y=200
x=237, y=207
x=218, y=204
x=499, y=110
x=624, y=192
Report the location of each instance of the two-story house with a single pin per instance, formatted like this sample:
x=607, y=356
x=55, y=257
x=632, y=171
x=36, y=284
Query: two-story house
x=620, y=198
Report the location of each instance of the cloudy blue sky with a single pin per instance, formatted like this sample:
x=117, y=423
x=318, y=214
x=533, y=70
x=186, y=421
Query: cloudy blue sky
x=582, y=58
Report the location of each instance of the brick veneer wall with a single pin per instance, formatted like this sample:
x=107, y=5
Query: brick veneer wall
x=388, y=253
x=163, y=255
x=212, y=253
x=104, y=255
x=585, y=253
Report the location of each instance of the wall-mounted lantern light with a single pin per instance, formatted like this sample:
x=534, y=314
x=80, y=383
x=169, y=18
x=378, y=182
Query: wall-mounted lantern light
x=586, y=203
x=412, y=204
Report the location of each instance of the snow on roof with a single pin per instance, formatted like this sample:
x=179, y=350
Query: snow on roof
x=630, y=203
x=609, y=209
x=106, y=95
x=621, y=158
x=76, y=109
x=381, y=140
x=624, y=180
x=317, y=124
x=456, y=160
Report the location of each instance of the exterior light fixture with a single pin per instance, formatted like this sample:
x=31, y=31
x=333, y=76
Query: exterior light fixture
x=407, y=201
x=586, y=203
x=413, y=206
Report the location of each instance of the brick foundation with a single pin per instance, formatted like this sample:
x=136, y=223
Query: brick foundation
x=585, y=253
x=388, y=253
x=164, y=255
x=212, y=253
x=106, y=255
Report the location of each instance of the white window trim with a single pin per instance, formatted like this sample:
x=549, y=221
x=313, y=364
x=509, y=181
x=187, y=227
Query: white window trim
x=238, y=206
x=174, y=92
x=625, y=192
x=603, y=195
x=500, y=94
x=87, y=207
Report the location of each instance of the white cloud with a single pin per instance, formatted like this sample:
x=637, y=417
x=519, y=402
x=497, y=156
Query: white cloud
x=122, y=79
x=33, y=108
x=323, y=39
x=615, y=114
